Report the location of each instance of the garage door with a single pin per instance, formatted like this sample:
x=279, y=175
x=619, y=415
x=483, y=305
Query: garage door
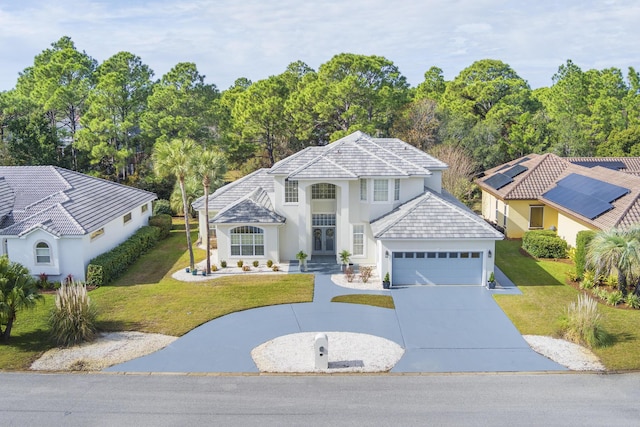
x=437, y=268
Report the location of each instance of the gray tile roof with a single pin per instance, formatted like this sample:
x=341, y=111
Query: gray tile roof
x=433, y=216
x=62, y=201
x=230, y=193
x=7, y=198
x=255, y=208
x=358, y=155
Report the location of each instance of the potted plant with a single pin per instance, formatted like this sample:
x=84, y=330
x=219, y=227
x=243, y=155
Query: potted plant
x=491, y=283
x=194, y=271
x=386, y=282
x=302, y=257
x=345, y=257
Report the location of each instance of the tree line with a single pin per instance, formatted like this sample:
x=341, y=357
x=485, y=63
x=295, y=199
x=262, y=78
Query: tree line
x=105, y=119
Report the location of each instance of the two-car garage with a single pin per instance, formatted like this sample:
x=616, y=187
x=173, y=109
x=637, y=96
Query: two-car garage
x=437, y=268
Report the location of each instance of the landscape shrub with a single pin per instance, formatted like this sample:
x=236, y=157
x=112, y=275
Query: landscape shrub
x=240, y=263
x=365, y=273
x=614, y=298
x=544, y=244
x=349, y=273
x=246, y=268
x=582, y=241
x=95, y=275
x=115, y=262
x=582, y=323
x=633, y=301
x=223, y=264
x=269, y=263
x=73, y=318
x=256, y=264
x=163, y=222
x=162, y=207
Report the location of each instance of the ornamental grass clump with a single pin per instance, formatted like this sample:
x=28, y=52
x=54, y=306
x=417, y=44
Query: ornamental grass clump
x=73, y=319
x=582, y=323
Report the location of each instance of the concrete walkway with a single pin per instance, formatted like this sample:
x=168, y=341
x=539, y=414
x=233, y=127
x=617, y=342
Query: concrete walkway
x=442, y=328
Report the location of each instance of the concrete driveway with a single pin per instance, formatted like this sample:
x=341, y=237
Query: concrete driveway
x=442, y=328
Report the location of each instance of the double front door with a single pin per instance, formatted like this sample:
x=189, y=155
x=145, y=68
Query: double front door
x=323, y=234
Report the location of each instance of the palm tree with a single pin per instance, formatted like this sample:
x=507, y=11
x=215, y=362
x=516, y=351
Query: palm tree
x=208, y=167
x=17, y=291
x=172, y=158
x=617, y=250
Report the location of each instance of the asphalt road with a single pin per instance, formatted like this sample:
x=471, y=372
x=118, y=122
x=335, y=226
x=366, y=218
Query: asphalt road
x=28, y=399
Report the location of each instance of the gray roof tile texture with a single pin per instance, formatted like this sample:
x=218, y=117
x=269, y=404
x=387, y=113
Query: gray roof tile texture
x=63, y=201
x=433, y=217
x=236, y=190
x=254, y=208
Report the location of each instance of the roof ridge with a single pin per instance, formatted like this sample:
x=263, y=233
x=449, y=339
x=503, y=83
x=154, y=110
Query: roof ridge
x=535, y=167
x=385, y=161
x=291, y=157
x=406, y=144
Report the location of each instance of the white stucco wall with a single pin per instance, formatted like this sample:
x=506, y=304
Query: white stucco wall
x=271, y=243
x=71, y=254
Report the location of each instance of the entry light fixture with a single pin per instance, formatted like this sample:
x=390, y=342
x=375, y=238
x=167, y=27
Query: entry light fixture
x=386, y=254
x=489, y=254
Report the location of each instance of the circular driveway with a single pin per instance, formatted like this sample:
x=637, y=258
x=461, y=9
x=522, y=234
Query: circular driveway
x=441, y=328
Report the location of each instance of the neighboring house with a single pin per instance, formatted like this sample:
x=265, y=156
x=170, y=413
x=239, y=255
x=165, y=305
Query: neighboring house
x=378, y=198
x=566, y=194
x=54, y=221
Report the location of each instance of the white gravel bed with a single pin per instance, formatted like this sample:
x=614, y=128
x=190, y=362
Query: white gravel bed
x=348, y=352
x=183, y=276
x=373, y=284
x=573, y=356
x=106, y=350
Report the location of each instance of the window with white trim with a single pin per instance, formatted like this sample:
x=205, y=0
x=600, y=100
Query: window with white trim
x=126, y=218
x=323, y=191
x=290, y=191
x=363, y=190
x=396, y=189
x=536, y=217
x=380, y=190
x=247, y=241
x=144, y=208
x=358, y=239
x=43, y=253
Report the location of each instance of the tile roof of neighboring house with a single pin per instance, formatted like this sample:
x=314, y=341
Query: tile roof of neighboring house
x=61, y=201
x=236, y=190
x=433, y=216
x=255, y=208
x=355, y=156
x=544, y=171
x=631, y=164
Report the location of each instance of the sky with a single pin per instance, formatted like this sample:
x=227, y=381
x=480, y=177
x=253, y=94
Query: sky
x=228, y=39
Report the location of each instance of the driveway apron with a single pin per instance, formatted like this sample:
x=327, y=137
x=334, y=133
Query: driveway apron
x=442, y=328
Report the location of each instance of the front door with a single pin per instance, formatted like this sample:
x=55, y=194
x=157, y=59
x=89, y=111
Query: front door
x=324, y=240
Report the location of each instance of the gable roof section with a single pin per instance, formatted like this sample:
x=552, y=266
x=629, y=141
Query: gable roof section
x=232, y=192
x=255, y=208
x=64, y=202
x=433, y=217
x=356, y=156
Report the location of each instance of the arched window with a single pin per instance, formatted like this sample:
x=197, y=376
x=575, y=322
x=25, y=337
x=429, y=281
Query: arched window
x=247, y=240
x=43, y=253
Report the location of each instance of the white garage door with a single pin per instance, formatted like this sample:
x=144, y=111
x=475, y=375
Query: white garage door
x=437, y=268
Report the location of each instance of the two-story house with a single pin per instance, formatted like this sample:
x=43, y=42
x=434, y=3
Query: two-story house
x=381, y=199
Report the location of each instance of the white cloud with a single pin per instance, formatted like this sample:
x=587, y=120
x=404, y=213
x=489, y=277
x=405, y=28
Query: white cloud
x=228, y=39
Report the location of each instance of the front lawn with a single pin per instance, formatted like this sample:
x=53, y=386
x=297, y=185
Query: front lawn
x=545, y=296
x=147, y=299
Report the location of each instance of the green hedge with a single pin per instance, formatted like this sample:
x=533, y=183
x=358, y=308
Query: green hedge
x=163, y=222
x=582, y=242
x=544, y=244
x=162, y=207
x=115, y=262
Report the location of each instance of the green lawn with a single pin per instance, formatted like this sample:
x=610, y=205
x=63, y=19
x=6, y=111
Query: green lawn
x=545, y=296
x=147, y=299
x=384, y=301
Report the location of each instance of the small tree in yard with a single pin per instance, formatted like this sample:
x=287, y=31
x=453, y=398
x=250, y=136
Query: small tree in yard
x=17, y=291
x=172, y=158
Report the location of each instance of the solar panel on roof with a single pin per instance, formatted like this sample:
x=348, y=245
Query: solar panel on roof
x=609, y=164
x=524, y=159
x=498, y=181
x=587, y=206
x=593, y=187
x=515, y=171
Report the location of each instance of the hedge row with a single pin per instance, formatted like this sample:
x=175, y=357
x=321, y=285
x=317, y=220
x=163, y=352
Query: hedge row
x=110, y=265
x=544, y=244
x=582, y=242
x=163, y=222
